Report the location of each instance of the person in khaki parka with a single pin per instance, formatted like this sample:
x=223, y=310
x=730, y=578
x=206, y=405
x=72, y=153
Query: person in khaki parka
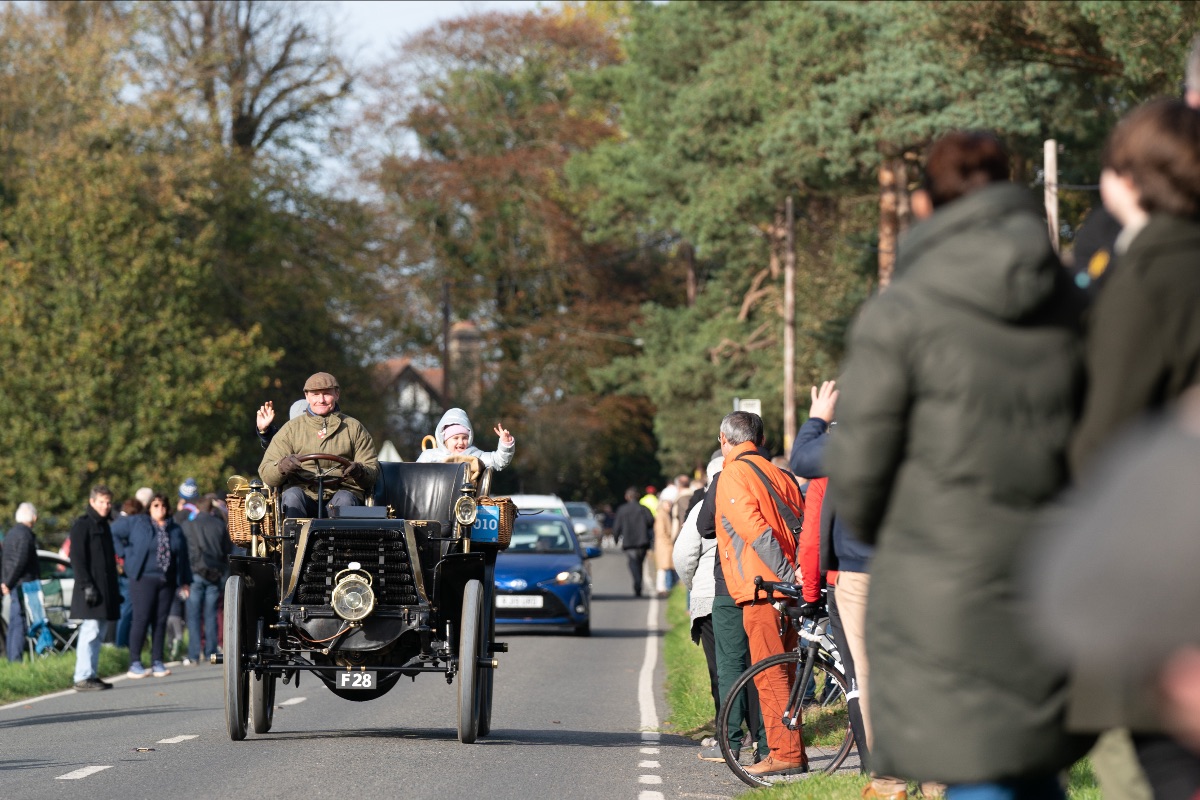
x=321, y=429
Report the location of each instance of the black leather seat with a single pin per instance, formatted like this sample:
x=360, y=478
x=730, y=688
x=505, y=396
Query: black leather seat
x=420, y=491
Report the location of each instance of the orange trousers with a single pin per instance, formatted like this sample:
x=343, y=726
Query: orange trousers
x=761, y=622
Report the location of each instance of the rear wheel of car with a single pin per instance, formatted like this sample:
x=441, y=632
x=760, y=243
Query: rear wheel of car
x=469, y=684
x=262, y=702
x=236, y=678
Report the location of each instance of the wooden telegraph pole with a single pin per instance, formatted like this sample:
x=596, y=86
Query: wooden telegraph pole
x=1050, y=168
x=789, y=330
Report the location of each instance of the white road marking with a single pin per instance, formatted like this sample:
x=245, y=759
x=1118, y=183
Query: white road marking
x=178, y=739
x=31, y=700
x=646, y=678
x=291, y=701
x=82, y=773
x=646, y=705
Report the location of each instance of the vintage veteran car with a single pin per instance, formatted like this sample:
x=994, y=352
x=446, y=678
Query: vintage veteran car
x=368, y=596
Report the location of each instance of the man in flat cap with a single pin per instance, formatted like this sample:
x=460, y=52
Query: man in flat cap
x=322, y=428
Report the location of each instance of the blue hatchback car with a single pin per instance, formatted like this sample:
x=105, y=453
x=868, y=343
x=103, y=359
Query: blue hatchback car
x=543, y=579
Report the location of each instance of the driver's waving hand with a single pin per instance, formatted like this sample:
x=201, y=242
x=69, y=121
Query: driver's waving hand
x=321, y=429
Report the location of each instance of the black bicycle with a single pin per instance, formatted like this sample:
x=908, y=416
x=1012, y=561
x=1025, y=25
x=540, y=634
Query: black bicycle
x=817, y=702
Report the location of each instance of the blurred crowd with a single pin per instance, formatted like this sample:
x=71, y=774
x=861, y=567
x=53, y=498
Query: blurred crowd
x=146, y=569
x=1002, y=519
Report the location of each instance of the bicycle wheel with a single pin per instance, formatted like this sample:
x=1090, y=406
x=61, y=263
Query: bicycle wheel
x=826, y=722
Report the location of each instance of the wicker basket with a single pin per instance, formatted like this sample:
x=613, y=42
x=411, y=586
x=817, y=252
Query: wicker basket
x=239, y=526
x=508, y=515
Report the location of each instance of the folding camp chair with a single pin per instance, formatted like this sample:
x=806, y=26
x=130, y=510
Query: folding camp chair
x=48, y=626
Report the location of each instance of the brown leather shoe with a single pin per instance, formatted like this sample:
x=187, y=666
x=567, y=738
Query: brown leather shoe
x=877, y=791
x=772, y=766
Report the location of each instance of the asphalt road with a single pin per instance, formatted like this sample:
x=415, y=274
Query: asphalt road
x=568, y=721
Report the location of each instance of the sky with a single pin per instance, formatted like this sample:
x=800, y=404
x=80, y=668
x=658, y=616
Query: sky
x=375, y=25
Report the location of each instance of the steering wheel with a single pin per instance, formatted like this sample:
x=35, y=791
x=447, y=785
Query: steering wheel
x=331, y=481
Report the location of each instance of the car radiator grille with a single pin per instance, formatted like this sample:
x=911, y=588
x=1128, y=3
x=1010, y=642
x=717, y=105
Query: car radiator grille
x=382, y=553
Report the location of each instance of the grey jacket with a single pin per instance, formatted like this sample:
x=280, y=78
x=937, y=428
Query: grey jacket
x=963, y=383
x=694, y=560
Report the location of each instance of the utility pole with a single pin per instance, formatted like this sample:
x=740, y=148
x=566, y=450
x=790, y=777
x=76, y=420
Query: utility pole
x=446, y=403
x=789, y=329
x=1050, y=170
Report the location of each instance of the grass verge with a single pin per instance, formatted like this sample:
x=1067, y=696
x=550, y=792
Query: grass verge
x=52, y=673
x=690, y=713
x=688, y=696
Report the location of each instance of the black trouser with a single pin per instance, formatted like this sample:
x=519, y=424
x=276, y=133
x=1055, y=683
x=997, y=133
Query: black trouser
x=702, y=634
x=151, y=604
x=637, y=559
x=1172, y=770
x=852, y=707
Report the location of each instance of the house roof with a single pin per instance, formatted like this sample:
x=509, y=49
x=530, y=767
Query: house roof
x=389, y=372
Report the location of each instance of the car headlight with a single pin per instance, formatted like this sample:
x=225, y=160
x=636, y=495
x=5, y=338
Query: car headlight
x=256, y=506
x=575, y=576
x=353, y=597
x=580, y=528
x=465, y=510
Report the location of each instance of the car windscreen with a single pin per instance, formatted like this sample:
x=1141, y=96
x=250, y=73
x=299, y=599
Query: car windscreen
x=578, y=510
x=540, y=536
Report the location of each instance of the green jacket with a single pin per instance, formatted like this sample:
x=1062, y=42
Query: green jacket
x=344, y=436
x=1143, y=351
x=963, y=382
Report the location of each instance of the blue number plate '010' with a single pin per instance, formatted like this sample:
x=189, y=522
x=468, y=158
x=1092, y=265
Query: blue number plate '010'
x=356, y=680
x=487, y=525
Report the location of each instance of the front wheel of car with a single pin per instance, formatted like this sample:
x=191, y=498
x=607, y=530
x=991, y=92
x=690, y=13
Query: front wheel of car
x=236, y=683
x=584, y=628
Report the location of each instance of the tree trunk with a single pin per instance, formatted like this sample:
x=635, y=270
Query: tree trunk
x=789, y=331
x=688, y=254
x=889, y=220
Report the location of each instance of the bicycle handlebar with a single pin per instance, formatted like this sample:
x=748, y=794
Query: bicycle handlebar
x=791, y=591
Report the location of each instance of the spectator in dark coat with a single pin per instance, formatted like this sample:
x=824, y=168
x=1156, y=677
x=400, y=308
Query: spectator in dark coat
x=96, y=597
x=633, y=528
x=209, y=547
x=19, y=564
x=963, y=383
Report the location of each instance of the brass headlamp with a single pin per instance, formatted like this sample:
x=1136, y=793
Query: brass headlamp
x=353, y=599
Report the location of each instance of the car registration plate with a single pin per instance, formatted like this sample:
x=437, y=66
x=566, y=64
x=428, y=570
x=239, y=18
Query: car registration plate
x=356, y=680
x=518, y=601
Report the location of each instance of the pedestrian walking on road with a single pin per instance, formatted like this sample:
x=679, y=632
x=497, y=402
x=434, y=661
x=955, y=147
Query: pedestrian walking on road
x=96, y=597
x=19, y=564
x=633, y=528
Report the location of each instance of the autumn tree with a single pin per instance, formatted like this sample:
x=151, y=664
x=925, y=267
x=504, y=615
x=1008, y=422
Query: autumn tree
x=485, y=112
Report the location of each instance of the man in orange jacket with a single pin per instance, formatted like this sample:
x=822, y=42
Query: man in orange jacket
x=753, y=540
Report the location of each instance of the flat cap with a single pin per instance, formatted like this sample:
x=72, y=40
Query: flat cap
x=320, y=380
